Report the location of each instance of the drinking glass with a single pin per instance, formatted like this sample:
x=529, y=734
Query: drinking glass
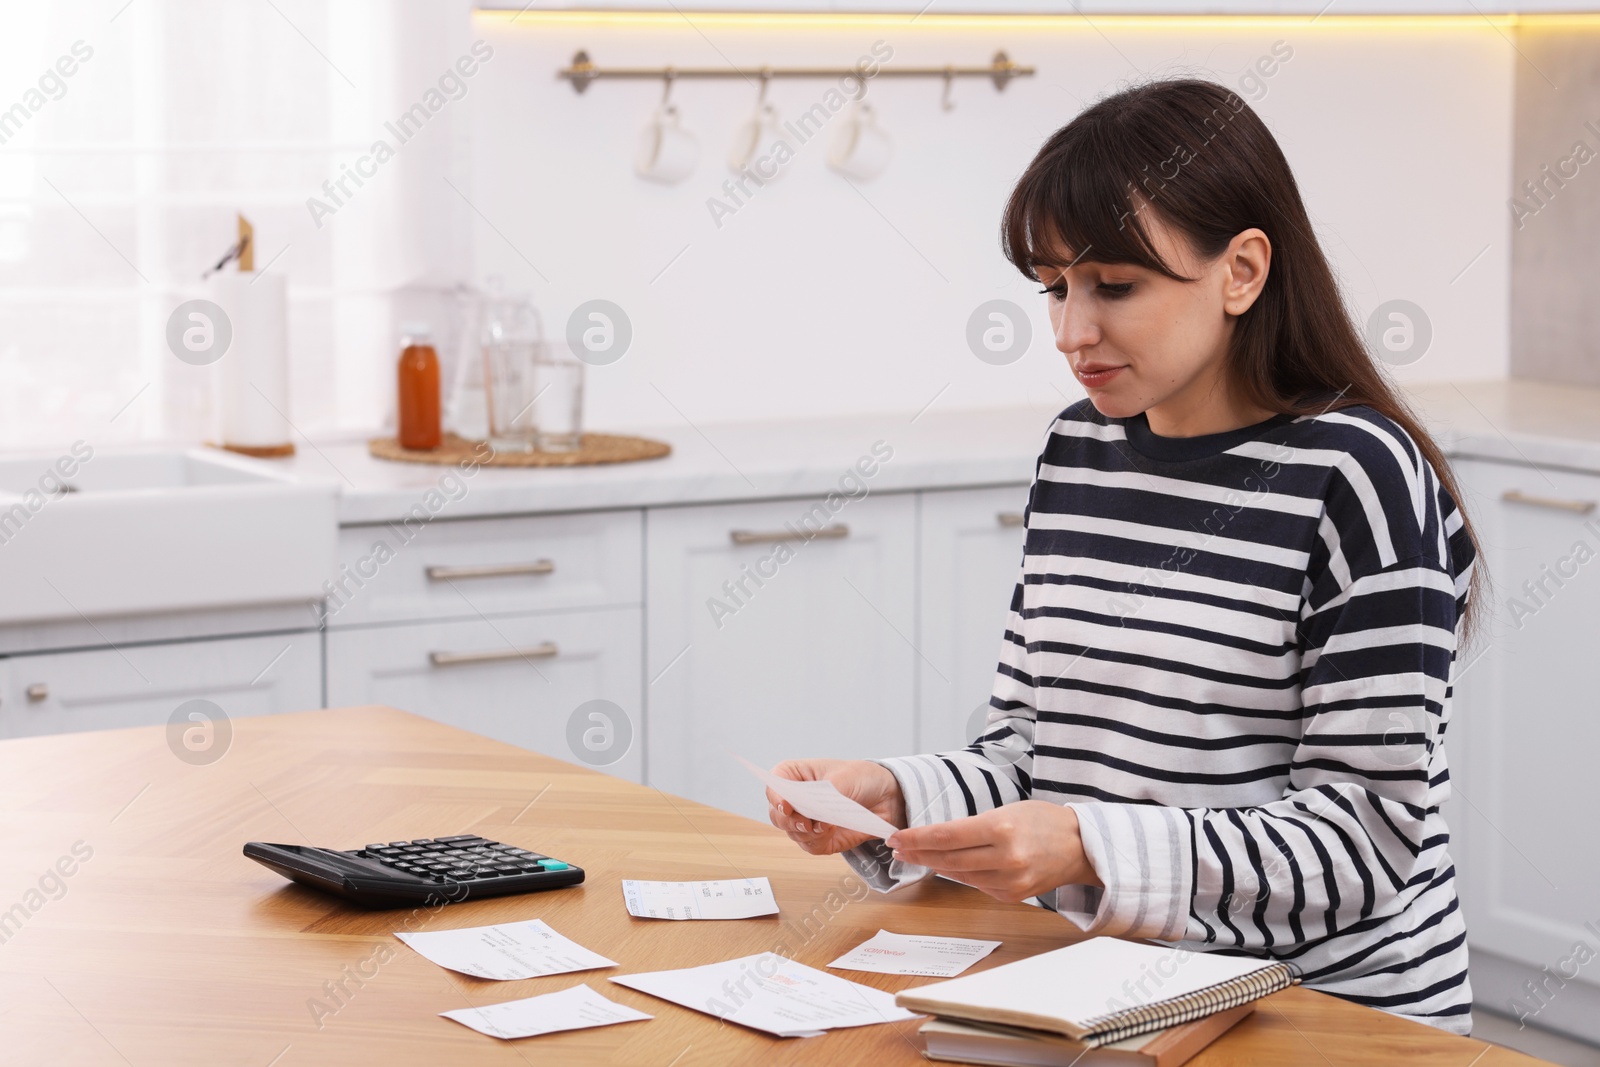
x=558, y=412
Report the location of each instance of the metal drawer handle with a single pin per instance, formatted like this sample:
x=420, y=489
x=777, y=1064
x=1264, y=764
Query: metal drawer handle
x=1009, y=518
x=490, y=570
x=38, y=691
x=1517, y=496
x=833, y=531
x=458, y=659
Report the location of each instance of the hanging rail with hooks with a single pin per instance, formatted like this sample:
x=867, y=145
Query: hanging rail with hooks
x=582, y=71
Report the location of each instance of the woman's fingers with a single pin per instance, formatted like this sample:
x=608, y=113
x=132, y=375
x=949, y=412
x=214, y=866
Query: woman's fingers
x=791, y=822
x=943, y=837
x=977, y=858
x=798, y=770
x=786, y=818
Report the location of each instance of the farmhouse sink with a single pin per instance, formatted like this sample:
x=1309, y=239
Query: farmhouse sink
x=98, y=533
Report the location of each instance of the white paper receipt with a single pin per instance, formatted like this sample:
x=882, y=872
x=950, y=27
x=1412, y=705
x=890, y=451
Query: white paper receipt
x=732, y=898
x=823, y=802
x=505, y=952
x=577, y=1008
x=771, y=993
x=935, y=957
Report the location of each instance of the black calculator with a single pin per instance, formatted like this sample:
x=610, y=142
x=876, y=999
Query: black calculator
x=424, y=871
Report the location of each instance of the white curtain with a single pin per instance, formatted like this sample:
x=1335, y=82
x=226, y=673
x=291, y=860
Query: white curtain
x=131, y=133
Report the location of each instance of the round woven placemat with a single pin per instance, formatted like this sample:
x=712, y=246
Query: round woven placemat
x=453, y=449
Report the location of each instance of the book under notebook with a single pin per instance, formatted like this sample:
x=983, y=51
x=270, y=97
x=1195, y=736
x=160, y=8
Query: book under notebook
x=1008, y=1046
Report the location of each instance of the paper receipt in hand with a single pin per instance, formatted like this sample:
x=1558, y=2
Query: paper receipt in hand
x=729, y=898
x=823, y=802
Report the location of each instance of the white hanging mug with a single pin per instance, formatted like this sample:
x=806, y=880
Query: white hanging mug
x=860, y=149
x=753, y=144
x=667, y=152
x=755, y=140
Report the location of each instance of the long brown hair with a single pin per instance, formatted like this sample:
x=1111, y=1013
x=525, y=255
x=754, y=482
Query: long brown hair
x=1196, y=154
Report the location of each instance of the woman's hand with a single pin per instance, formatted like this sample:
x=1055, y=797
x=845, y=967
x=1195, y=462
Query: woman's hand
x=1011, y=853
x=871, y=785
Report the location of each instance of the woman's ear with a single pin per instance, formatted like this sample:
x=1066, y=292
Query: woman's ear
x=1245, y=263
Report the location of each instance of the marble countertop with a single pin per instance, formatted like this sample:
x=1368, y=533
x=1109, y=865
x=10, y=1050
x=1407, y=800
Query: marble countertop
x=1510, y=421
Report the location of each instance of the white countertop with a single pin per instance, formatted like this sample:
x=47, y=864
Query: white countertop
x=1536, y=423
x=726, y=461
x=1512, y=421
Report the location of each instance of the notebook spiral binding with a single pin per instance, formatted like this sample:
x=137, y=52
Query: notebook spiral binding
x=1128, y=1022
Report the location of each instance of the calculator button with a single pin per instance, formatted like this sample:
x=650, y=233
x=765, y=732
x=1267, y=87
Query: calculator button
x=374, y=848
x=423, y=841
x=553, y=865
x=458, y=837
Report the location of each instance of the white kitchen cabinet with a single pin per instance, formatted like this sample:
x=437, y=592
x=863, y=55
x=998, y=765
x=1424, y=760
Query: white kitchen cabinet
x=527, y=680
x=970, y=553
x=142, y=685
x=774, y=647
x=406, y=571
x=1526, y=723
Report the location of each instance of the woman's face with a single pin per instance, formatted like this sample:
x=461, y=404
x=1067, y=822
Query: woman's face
x=1140, y=341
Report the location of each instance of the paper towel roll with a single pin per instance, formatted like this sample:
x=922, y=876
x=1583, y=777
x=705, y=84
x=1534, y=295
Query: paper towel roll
x=251, y=381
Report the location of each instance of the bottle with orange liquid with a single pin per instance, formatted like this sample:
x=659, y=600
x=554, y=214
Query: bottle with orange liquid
x=418, y=400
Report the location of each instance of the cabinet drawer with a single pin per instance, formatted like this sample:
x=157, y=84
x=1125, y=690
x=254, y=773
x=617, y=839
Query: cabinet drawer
x=474, y=567
x=144, y=685
x=536, y=681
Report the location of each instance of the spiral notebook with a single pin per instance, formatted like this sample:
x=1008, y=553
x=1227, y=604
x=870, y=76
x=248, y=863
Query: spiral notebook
x=1011, y=1046
x=1102, y=990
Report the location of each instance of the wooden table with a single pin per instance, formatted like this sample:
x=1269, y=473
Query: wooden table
x=168, y=947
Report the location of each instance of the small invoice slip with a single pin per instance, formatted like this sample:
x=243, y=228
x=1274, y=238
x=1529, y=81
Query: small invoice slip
x=732, y=898
x=823, y=802
x=769, y=992
x=935, y=957
x=577, y=1008
x=505, y=952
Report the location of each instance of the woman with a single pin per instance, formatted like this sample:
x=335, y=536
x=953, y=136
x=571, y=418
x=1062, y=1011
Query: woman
x=1225, y=678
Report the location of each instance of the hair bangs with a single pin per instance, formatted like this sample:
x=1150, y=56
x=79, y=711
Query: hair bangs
x=1079, y=208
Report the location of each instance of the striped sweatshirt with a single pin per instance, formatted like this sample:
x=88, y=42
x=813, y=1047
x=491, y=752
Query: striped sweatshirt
x=1232, y=655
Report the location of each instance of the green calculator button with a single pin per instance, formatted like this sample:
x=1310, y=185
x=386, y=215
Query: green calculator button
x=553, y=865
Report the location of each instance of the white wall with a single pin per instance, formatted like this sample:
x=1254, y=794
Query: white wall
x=817, y=298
